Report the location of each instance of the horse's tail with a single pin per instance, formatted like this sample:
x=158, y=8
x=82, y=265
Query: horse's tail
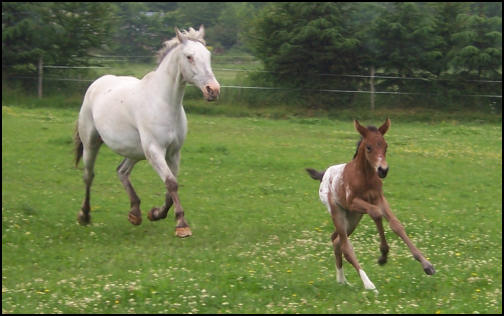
x=317, y=175
x=79, y=148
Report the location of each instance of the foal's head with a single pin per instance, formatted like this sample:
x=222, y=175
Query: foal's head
x=373, y=146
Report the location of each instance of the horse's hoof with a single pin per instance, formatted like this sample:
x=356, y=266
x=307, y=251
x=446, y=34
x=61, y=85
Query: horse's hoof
x=429, y=269
x=154, y=214
x=83, y=218
x=135, y=220
x=183, y=232
x=382, y=260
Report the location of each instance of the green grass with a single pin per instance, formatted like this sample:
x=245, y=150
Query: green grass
x=261, y=238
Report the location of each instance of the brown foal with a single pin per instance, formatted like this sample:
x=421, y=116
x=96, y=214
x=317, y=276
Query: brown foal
x=353, y=189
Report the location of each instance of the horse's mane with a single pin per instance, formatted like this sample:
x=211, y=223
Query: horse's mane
x=371, y=128
x=191, y=34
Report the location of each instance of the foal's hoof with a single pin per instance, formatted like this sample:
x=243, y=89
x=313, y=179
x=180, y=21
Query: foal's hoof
x=135, y=220
x=382, y=260
x=156, y=214
x=83, y=218
x=429, y=269
x=183, y=232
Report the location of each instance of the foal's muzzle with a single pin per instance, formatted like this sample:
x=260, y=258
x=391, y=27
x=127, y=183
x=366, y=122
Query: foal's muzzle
x=382, y=173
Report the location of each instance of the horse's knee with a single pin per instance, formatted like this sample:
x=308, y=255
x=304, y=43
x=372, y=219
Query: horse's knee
x=171, y=185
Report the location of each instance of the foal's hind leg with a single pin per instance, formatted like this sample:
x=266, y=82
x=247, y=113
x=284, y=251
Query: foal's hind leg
x=338, y=255
x=340, y=223
x=124, y=171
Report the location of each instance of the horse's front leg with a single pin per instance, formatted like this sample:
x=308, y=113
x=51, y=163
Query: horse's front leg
x=156, y=158
x=157, y=213
x=398, y=228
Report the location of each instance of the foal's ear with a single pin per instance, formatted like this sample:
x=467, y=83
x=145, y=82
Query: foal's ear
x=361, y=129
x=180, y=36
x=384, y=128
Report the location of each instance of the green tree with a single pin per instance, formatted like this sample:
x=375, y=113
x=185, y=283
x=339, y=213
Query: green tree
x=477, y=44
x=406, y=40
x=59, y=32
x=298, y=42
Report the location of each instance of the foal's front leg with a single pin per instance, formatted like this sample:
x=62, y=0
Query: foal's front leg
x=398, y=228
x=384, y=248
x=156, y=158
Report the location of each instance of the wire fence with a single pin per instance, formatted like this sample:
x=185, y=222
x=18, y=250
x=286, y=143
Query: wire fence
x=368, y=77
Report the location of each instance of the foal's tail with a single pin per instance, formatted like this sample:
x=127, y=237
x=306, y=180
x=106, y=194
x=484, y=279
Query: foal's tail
x=79, y=148
x=317, y=175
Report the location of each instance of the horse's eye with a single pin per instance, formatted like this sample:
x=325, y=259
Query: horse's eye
x=190, y=58
x=368, y=148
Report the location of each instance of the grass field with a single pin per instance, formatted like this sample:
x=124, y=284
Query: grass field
x=261, y=238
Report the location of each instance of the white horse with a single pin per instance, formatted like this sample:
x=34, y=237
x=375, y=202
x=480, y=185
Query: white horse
x=144, y=119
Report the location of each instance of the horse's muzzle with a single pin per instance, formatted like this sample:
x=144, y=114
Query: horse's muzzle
x=382, y=173
x=211, y=91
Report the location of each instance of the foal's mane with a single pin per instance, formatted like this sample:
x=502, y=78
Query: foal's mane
x=371, y=128
x=191, y=34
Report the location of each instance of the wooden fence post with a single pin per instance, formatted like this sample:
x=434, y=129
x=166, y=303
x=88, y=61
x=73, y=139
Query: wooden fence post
x=40, y=77
x=372, y=88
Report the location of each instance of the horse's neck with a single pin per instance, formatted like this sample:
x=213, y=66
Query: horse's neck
x=167, y=80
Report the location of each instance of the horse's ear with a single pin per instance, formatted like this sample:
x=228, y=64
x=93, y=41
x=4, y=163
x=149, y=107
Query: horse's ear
x=384, y=128
x=180, y=36
x=361, y=129
x=201, y=31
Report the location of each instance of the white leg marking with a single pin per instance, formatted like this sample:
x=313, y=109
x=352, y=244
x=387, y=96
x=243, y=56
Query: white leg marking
x=368, y=285
x=340, y=277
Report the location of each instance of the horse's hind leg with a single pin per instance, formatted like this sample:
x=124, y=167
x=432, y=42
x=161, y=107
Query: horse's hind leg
x=88, y=156
x=384, y=248
x=124, y=171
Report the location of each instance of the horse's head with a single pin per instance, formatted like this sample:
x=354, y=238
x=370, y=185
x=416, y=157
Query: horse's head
x=195, y=64
x=374, y=146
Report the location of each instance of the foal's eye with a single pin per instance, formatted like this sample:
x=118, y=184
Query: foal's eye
x=190, y=58
x=368, y=148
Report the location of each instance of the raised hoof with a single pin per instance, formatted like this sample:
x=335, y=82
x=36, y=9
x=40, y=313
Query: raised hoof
x=84, y=219
x=429, y=269
x=154, y=215
x=382, y=260
x=135, y=220
x=183, y=232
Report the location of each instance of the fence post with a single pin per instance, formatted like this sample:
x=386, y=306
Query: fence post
x=40, y=77
x=372, y=88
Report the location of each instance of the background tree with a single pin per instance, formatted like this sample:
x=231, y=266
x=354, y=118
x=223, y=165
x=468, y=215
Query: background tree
x=61, y=33
x=299, y=41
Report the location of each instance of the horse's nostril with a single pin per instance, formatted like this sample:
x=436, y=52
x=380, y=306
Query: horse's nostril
x=209, y=89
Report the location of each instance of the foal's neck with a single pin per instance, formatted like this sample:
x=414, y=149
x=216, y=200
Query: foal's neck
x=366, y=170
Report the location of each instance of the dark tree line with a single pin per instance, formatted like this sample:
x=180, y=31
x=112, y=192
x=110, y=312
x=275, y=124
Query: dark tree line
x=447, y=42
